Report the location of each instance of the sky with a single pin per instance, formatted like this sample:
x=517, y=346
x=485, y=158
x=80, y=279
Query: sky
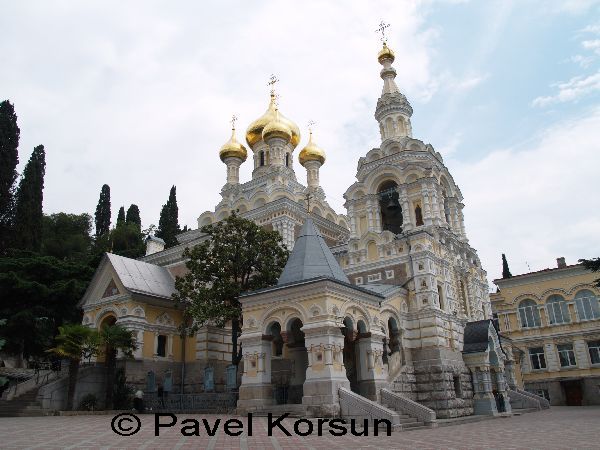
x=139, y=95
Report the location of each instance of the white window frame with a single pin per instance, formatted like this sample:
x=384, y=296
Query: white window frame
x=566, y=353
x=358, y=280
x=389, y=274
x=587, y=301
x=594, y=347
x=556, y=307
x=374, y=277
x=535, y=313
x=537, y=358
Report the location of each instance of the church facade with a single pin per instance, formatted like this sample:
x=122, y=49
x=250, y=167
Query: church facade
x=387, y=298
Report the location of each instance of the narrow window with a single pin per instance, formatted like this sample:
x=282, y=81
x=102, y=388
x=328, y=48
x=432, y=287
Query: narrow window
x=441, y=296
x=538, y=358
x=161, y=345
x=287, y=160
x=457, y=386
x=418, y=215
x=262, y=158
x=566, y=355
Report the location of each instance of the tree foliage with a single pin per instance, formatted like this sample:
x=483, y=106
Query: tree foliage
x=127, y=240
x=593, y=265
x=168, y=223
x=115, y=338
x=238, y=257
x=9, y=158
x=102, y=216
x=121, y=217
x=505, y=270
x=67, y=236
x=133, y=216
x=28, y=206
x=39, y=294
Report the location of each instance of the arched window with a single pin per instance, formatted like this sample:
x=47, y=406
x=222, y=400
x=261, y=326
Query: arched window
x=389, y=206
x=529, y=314
x=275, y=331
x=372, y=253
x=558, y=311
x=441, y=297
x=418, y=215
x=446, y=207
x=587, y=305
x=262, y=158
x=287, y=160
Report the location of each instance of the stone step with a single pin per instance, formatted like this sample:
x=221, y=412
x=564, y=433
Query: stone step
x=413, y=426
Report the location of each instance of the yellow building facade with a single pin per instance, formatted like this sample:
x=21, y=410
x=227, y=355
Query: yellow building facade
x=552, y=320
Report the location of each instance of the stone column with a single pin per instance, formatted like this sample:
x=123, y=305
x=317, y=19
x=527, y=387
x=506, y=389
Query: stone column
x=312, y=173
x=483, y=400
x=233, y=169
x=370, y=218
x=407, y=224
x=461, y=221
x=435, y=206
x=256, y=390
x=353, y=230
x=326, y=372
x=372, y=374
x=427, y=219
x=377, y=213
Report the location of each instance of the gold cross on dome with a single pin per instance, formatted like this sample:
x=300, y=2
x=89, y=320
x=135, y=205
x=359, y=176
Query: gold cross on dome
x=311, y=123
x=272, y=80
x=234, y=119
x=381, y=29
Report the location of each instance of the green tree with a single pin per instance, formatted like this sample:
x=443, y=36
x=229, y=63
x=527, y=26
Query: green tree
x=168, y=223
x=75, y=342
x=102, y=216
x=28, y=208
x=593, y=265
x=239, y=257
x=127, y=240
x=121, y=217
x=505, y=270
x=133, y=216
x=9, y=158
x=38, y=294
x=3, y=380
x=67, y=236
x=114, y=338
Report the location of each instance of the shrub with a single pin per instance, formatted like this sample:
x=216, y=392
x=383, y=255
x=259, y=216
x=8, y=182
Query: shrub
x=88, y=403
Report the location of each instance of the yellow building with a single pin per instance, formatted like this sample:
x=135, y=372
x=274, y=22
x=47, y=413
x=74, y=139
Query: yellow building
x=553, y=317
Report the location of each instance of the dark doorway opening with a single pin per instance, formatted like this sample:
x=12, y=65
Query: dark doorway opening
x=573, y=392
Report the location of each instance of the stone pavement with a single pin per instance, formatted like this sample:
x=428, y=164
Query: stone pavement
x=557, y=428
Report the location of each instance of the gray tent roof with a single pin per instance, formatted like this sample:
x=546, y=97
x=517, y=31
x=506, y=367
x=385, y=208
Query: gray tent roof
x=143, y=278
x=311, y=258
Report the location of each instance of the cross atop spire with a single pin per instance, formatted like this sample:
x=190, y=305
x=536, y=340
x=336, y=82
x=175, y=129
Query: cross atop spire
x=234, y=119
x=381, y=29
x=311, y=123
x=272, y=80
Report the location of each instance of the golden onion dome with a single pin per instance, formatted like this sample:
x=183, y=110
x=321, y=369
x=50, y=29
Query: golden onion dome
x=255, y=130
x=233, y=149
x=312, y=152
x=276, y=128
x=385, y=53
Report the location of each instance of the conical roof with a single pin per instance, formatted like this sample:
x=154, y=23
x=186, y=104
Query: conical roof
x=311, y=258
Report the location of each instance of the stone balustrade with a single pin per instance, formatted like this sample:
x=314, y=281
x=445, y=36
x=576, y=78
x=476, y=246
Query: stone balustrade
x=407, y=406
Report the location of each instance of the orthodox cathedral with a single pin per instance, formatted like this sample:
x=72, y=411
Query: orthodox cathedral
x=383, y=309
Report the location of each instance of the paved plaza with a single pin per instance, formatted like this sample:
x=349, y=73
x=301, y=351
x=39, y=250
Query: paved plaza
x=557, y=428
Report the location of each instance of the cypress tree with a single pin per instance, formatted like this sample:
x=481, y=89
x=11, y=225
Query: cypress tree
x=133, y=216
x=102, y=216
x=9, y=158
x=121, y=217
x=505, y=270
x=29, y=217
x=168, y=223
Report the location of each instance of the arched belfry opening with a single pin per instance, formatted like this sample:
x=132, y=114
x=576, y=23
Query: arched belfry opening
x=296, y=353
x=389, y=205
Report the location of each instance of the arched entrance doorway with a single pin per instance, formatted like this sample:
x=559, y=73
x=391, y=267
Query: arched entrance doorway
x=349, y=354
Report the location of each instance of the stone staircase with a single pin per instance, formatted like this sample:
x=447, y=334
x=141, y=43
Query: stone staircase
x=25, y=405
x=407, y=422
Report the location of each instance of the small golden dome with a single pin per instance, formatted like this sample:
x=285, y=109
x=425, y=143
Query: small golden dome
x=255, y=130
x=233, y=149
x=385, y=53
x=312, y=152
x=276, y=128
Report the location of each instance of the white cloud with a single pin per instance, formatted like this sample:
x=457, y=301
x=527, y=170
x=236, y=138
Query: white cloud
x=583, y=61
x=572, y=90
x=593, y=45
x=535, y=202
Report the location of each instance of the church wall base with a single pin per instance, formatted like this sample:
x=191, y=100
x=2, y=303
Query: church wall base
x=321, y=397
x=443, y=382
x=254, y=397
x=406, y=383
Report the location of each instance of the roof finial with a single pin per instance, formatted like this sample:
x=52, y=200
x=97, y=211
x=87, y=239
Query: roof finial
x=381, y=29
x=309, y=197
x=234, y=119
x=311, y=123
x=272, y=80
